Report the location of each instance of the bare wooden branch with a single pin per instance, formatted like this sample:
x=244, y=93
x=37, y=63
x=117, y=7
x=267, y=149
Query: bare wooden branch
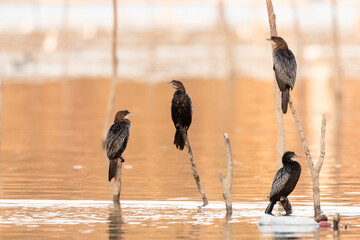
x=315, y=171
x=117, y=183
x=322, y=145
x=111, y=102
x=302, y=135
x=281, y=143
x=227, y=182
x=272, y=18
x=194, y=171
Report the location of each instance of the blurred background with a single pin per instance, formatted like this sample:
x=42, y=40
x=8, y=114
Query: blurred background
x=158, y=40
x=58, y=73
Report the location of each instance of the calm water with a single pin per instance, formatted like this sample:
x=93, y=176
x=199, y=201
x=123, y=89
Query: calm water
x=53, y=171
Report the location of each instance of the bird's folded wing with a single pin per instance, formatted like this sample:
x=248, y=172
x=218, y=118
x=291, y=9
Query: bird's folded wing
x=285, y=67
x=279, y=183
x=116, y=140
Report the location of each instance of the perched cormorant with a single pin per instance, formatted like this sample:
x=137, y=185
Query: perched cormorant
x=117, y=139
x=284, y=182
x=285, y=69
x=181, y=112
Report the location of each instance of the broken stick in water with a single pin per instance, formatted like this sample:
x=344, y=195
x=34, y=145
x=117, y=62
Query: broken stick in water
x=227, y=181
x=314, y=170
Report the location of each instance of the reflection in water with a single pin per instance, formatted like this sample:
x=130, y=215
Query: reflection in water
x=115, y=222
x=51, y=149
x=227, y=229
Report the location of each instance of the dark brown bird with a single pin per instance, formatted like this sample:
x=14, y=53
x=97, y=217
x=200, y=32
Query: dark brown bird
x=284, y=182
x=181, y=112
x=285, y=69
x=117, y=139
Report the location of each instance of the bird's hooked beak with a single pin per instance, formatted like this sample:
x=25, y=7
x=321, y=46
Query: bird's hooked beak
x=295, y=156
x=272, y=41
x=170, y=83
x=127, y=115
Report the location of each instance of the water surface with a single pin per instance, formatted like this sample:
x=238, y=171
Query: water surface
x=53, y=171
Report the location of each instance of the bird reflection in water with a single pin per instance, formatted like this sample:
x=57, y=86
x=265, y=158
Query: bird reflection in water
x=115, y=222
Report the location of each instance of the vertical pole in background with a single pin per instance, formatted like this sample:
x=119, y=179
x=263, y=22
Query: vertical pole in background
x=337, y=81
x=301, y=83
x=110, y=105
x=64, y=36
x=281, y=143
x=227, y=41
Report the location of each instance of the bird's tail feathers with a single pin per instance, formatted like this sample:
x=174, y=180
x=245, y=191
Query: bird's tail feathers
x=179, y=140
x=270, y=208
x=285, y=100
x=112, y=169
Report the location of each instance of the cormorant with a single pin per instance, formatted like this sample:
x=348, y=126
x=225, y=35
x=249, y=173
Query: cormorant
x=284, y=182
x=117, y=139
x=285, y=69
x=181, y=112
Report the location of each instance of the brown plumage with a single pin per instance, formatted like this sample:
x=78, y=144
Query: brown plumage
x=117, y=139
x=181, y=112
x=284, y=182
x=285, y=69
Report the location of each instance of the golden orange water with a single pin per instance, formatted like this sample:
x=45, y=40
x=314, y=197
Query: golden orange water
x=51, y=150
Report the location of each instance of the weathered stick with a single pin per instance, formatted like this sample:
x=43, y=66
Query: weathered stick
x=336, y=221
x=227, y=182
x=194, y=171
x=117, y=183
x=281, y=143
x=111, y=101
x=314, y=170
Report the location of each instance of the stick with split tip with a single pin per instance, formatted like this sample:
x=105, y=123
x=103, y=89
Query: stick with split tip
x=314, y=170
x=227, y=182
x=194, y=171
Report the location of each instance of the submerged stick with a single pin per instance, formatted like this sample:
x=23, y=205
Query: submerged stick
x=281, y=142
x=314, y=170
x=117, y=183
x=111, y=100
x=227, y=182
x=194, y=171
x=336, y=221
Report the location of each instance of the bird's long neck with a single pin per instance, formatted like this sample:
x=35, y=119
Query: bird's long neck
x=181, y=89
